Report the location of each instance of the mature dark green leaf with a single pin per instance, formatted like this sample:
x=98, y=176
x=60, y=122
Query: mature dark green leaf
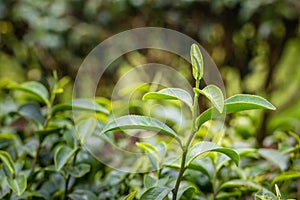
x=78, y=171
x=170, y=94
x=278, y=159
x=79, y=105
x=139, y=122
x=186, y=193
x=214, y=95
x=44, y=133
x=197, y=62
x=83, y=195
x=200, y=168
x=234, y=104
x=62, y=156
x=34, y=88
x=204, y=147
x=130, y=196
x=31, y=111
x=18, y=184
x=156, y=193
x=7, y=161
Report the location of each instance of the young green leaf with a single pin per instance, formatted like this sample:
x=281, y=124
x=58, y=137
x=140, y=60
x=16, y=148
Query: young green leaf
x=197, y=62
x=130, y=196
x=234, y=104
x=240, y=184
x=214, y=95
x=148, y=148
x=278, y=193
x=170, y=94
x=228, y=195
x=79, y=105
x=264, y=194
x=62, y=156
x=18, y=185
x=286, y=176
x=204, y=147
x=139, y=122
x=7, y=161
x=34, y=88
x=156, y=193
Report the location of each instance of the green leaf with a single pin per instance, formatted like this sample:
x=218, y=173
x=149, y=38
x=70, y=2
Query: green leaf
x=286, y=176
x=228, y=195
x=85, y=128
x=156, y=193
x=241, y=184
x=204, y=147
x=79, y=105
x=275, y=157
x=149, y=181
x=234, y=104
x=186, y=193
x=278, y=193
x=130, y=196
x=18, y=185
x=170, y=94
x=46, y=132
x=7, y=161
x=197, y=62
x=198, y=167
x=148, y=148
x=34, y=88
x=214, y=95
x=62, y=156
x=83, y=195
x=264, y=194
x=139, y=122
x=31, y=111
x=78, y=170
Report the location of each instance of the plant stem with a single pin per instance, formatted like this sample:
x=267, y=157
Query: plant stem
x=186, y=147
x=182, y=169
x=69, y=177
x=214, y=182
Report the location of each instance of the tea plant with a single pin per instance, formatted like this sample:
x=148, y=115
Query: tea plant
x=44, y=158
x=43, y=154
x=190, y=149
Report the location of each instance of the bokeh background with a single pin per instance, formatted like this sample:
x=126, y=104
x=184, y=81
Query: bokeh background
x=255, y=44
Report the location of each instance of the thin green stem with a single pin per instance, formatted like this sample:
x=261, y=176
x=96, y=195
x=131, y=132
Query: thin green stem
x=214, y=182
x=194, y=117
x=182, y=169
x=189, y=141
x=69, y=177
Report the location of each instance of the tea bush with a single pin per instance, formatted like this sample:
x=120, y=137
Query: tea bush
x=44, y=154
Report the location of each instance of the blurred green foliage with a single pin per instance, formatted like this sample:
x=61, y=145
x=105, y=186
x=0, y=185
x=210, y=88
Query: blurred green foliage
x=255, y=44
